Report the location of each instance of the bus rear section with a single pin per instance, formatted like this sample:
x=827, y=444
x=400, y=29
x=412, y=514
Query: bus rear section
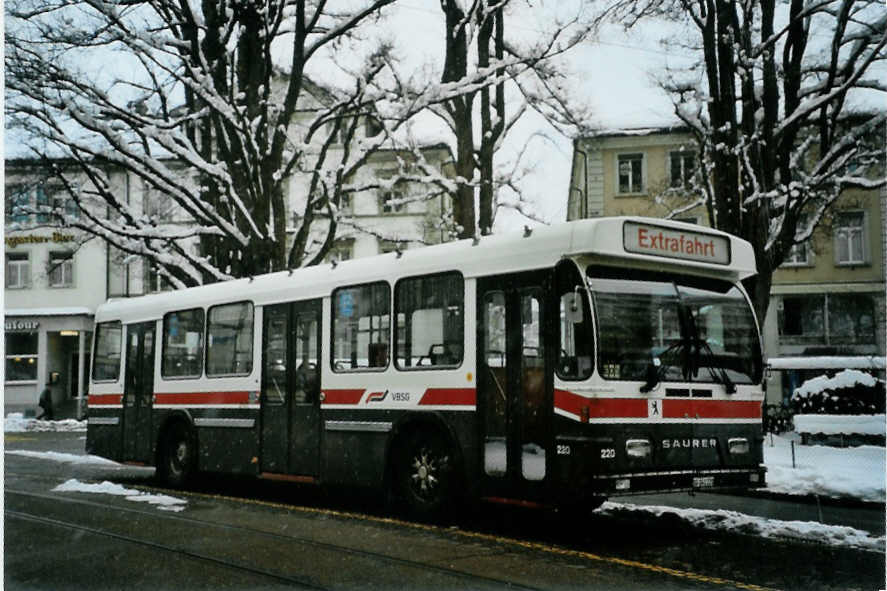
x=662, y=390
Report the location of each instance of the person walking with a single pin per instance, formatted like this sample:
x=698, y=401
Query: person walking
x=46, y=404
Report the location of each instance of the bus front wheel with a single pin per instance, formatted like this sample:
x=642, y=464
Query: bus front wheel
x=179, y=456
x=425, y=475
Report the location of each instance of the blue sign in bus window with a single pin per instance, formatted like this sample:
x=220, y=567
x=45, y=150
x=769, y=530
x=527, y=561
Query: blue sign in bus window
x=346, y=304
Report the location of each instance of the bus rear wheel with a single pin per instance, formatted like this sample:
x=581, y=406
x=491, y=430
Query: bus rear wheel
x=425, y=475
x=178, y=459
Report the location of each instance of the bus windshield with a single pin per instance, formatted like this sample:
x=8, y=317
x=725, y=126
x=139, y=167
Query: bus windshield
x=664, y=327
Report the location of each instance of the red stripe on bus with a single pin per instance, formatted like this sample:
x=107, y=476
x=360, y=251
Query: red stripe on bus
x=342, y=396
x=711, y=409
x=598, y=408
x=100, y=399
x=449, y=397
x=202, y=398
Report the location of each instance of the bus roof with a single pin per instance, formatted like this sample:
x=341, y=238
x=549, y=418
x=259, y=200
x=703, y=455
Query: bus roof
x=643, y=242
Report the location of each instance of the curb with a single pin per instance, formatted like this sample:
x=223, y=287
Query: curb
x=807, y=499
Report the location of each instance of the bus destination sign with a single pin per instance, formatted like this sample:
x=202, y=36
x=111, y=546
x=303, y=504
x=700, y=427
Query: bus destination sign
x=674, y=243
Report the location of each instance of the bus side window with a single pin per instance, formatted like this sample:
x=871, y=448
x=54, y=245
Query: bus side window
x=230, y=340
x=182, y=344
x=430, y=321
x=361, y=327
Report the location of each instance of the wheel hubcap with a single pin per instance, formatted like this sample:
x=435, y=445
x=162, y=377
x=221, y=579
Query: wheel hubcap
x=425, y=474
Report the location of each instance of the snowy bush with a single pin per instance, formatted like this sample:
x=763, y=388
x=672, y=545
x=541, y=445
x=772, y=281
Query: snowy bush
x=849, y=392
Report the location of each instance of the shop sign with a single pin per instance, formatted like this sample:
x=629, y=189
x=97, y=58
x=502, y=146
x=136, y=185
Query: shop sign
x=57, y=238
x=21, y=325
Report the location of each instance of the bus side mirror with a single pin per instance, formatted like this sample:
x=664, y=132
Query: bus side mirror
x=574, y=307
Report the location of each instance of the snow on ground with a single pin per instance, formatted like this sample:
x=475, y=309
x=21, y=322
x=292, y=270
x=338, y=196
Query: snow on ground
x=849, y=472
x=16, y=423
x=719, y=520
x=854, y=472
x=163, y=502
x=62, y=457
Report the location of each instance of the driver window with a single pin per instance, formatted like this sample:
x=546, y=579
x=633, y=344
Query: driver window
x=575, y=353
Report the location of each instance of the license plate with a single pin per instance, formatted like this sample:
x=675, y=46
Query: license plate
x=703, y=481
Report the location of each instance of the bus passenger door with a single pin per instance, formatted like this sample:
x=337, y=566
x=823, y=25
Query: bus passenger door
x=276, y=360
x=291, y=388
x=138, y=395
x=305, y=411
x=513, y=381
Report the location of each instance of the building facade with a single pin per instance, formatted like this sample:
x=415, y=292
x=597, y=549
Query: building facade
x=55, y=276
x=827, y=299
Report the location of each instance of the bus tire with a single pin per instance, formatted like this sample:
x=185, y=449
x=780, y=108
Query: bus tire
x=178, y=459
x=425, y=475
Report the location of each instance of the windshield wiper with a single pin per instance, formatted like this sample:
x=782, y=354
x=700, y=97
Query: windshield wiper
x=701, y=346
x=656, y=371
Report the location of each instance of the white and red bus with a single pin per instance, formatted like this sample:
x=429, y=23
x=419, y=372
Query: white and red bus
x=556, y=366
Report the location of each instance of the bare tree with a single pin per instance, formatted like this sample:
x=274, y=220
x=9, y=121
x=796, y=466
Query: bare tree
x=481, y=61
x=773, y=113
x=185, y=97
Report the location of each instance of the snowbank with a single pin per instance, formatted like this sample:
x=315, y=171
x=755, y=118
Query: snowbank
x=810, y=531
x=845, y=379
x=163, y=502
x=841, y=424
x=17, y=423
x=852, y=472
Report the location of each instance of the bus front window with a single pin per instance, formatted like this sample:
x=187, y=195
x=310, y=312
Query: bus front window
x=638, y=325
x=660, y=327
x=727, y=334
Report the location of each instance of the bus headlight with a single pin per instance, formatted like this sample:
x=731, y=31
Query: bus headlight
x=638, y=448
x=738, y=445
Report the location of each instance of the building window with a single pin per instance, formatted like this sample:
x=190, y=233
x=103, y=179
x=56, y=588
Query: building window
x=182, y=344
x=18, y=270
x=108, y=341
x=802, y=317
x=850, y=238
x=386, y=246
x=154, y=280
x=18, y=204
x=430, y=321
x=21, y=357
x=682, y=165
x=391, y=202
x=372, y=127
x=346, y=203
x=831, y=319
x=631, y=173
x=342, y=250
x=798, y=256
x=851, y=319
x=61, y=269
x=361, y=326
x=44, y=205
x=230, y=340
